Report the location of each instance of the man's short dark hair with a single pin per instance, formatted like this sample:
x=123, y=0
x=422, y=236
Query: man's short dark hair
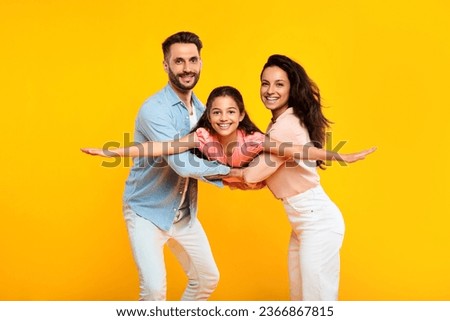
x=181, y=37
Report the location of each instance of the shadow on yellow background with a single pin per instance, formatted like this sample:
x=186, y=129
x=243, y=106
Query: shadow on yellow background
x=74, y=74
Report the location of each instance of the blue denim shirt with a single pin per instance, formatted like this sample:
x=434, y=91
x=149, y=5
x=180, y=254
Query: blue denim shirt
x=155, y=185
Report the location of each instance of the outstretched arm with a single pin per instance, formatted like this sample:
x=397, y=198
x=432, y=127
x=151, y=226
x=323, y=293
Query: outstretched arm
x=264, y=165
x=289, y=150
x=147, y=148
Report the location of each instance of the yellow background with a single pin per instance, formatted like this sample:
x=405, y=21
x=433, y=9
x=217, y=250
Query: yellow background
x=74, y=74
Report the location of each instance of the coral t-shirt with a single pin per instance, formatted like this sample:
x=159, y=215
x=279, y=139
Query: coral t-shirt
x=246, y=147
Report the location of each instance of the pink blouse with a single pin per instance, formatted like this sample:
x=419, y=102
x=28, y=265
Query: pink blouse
x=284, y=178
x=246, y=148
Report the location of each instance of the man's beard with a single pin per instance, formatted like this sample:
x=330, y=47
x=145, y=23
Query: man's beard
x=176, y=82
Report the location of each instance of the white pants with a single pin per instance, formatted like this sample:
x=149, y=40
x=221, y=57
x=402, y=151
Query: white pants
x=189, y=244
x=316, y=238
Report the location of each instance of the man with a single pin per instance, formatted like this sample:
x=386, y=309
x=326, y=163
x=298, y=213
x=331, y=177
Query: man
x=160, y=199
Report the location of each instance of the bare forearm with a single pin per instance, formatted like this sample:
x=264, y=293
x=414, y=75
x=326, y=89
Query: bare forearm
x=306, y=152
x=312, y=153
x=150, y=148
x=144, y=149
x=288, y=150
x=139, y=150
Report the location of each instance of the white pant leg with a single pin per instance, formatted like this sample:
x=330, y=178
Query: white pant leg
x=317, y=235
x=147, y=243
x=192, y=249
x=295, y=279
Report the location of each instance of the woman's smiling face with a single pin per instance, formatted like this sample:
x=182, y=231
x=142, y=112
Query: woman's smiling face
x=275, y=89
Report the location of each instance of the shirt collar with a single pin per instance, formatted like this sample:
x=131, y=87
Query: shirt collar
x=173, y=98
x=288, y=111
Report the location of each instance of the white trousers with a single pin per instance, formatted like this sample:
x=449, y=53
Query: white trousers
x=187, y=240
x=316, y=238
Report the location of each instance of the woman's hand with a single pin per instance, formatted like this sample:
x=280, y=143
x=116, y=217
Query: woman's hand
x=354, y=157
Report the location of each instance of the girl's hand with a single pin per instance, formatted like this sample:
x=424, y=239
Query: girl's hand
x=354, y=157
x=98, y=152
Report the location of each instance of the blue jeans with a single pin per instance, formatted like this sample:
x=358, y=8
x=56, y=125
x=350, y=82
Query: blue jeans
x=187, y=240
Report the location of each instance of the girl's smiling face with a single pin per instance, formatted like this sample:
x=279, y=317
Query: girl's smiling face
x=225, y=116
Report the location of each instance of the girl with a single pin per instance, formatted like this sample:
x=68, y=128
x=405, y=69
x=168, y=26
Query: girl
x=225, y=133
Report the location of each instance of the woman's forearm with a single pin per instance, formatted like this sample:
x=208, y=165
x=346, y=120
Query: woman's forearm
x=306, y=152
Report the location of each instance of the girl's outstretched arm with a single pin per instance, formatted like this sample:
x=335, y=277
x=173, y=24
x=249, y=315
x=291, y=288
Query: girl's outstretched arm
x=148, y=148
x=289, y=150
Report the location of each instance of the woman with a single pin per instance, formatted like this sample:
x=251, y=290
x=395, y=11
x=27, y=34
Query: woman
x=317, y=224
